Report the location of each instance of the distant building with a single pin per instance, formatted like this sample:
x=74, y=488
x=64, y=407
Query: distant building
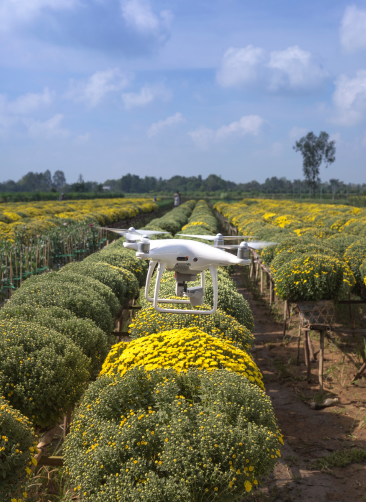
x=106, y=188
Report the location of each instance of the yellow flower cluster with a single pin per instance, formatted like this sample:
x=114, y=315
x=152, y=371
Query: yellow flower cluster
x=298, y=217
x=181, y=349
x=41, y=216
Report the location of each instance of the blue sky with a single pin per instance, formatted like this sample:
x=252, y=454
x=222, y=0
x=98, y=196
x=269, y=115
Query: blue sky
x=107, y=87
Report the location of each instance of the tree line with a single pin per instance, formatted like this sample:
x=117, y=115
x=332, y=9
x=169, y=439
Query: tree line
x=134, y=184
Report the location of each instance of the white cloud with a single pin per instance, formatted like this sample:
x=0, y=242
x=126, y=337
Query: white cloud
x=297, y=132
x=159, y=126
x=291, y=69
x=138, y=14
x=295, y=69
x=147, y=95
x=98, y=86
x=26, y=103
x=203, y=137
x=13, y=12
x=249, y=124
x=353, y=29
x=50, y=128
x=349, y=99
x=240, y=66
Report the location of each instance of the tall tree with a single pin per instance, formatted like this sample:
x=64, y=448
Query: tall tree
x=315, y=150
x=58, y=179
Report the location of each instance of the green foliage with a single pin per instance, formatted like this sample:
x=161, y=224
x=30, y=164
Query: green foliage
x=174, y=220
x=202, y=221
x=290, y=253
x=121, y=281
x=314, y=277
x=83, y=332
x=340, y=242
x=341, y=458
x=42, y=372
x=83, y=303
x=355, y=255
x=84, y=282
x=118, y=256
x=16, y=446
x=160, y=435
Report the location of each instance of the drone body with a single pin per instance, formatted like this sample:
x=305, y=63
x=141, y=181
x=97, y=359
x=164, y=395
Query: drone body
x=187, y=258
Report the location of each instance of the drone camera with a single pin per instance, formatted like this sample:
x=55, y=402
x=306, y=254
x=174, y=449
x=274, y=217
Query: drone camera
x=195, y=295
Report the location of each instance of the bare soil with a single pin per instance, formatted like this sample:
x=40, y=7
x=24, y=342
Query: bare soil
x=309, y=434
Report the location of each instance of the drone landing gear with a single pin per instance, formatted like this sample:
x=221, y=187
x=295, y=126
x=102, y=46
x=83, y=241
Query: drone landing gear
x=195, y=294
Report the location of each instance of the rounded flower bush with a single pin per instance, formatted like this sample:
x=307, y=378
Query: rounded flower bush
x=42, y=372
x=182, y=349
x=118, y=256
x=121, y=281
x=355, y=254
x=314, y=277
x=86, y=283
x=163, y=436
x=293, y=252
x=17, y=446
x=83, y=332
x=174, y=220
x=221, y=325
x=83, y=303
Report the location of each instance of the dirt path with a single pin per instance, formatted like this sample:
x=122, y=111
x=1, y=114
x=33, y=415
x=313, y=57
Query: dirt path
x=308, y=434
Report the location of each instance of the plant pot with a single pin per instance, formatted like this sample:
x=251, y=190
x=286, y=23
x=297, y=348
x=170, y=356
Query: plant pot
x=316, y=312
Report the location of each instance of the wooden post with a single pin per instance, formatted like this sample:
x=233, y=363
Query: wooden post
x=306, y=350
x=270, y=291
x=311, y=352
x=359, y=372
x=273, y=291
x=298, y=348
x=321, y=360
x=284, y=318
x=261, y=280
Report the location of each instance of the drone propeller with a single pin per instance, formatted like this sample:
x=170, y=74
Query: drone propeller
x=219, y=236
x=133, y=234
x=252, y=245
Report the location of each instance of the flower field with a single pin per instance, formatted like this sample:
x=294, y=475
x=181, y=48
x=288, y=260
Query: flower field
x=35, y=237
x=321, y=250
x=178, y=413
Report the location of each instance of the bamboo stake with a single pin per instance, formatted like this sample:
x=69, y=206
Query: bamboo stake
x=321, y=360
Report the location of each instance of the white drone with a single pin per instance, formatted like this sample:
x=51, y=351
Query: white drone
x=187, y=258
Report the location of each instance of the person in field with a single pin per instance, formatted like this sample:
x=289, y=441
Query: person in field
x=176, y=199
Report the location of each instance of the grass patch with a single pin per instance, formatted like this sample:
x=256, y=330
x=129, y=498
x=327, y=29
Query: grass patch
x=341, y=458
